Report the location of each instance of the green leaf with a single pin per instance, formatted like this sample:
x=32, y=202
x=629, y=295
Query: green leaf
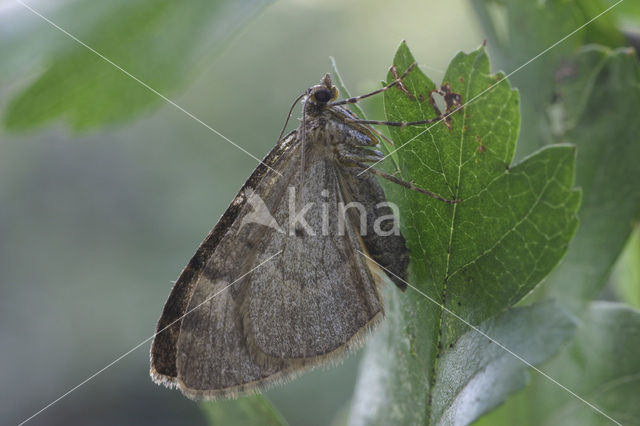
x=519, y=30
x=627, y=272
x=252, y=410
x=600, y=102
x=601, y=365
x=511, y=227
x=157, y=41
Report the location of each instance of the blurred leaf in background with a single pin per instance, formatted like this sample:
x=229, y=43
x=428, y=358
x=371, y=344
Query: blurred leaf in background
x=252, y=410
x=628, y=12
x=156, y=41
x=476, y=258
x=601, y=364
x=599, y=100
x=627, y=272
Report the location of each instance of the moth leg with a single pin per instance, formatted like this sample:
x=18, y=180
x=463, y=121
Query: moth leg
x=391, y=178
x=395, y=82
x=380, y=134
x=453, y=102
x=369, y=131
x=407, y=123
x=398, y=123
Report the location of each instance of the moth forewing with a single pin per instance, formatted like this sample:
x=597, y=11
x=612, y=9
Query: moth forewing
x=163, y=348
x=305, y=307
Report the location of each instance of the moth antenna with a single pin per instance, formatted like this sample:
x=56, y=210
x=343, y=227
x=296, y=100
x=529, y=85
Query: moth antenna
x=293, y=105
x=304, y=136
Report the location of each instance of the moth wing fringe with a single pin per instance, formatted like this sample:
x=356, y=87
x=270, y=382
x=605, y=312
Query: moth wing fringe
x=298, y=366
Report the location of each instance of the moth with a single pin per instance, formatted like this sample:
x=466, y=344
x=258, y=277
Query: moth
x=279, y=285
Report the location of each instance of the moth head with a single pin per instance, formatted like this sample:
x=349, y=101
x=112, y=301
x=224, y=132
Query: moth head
x=324, y=92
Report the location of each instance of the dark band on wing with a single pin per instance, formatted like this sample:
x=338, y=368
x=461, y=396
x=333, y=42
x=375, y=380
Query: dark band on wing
x=163, y=348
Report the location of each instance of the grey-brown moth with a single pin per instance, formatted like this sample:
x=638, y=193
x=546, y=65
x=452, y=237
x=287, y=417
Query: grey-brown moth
x=279, y=286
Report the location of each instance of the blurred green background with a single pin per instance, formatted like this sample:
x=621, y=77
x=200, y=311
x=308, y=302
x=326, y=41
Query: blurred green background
x=96, y=223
